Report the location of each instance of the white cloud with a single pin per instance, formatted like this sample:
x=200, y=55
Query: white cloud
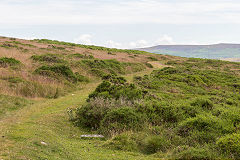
x=112, y=44
x=48, y=12
x=164, y=40
x=84, y=39
x=138, y=44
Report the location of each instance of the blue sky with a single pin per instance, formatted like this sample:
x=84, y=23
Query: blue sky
x=123, y=23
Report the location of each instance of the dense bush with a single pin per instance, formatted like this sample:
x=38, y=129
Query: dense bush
x=121, y=119
x=77, y=55
x=106, y=65
x=50, y=58
x=5, y=62
x=230, y=144
x=152, y=58
x=203, y=103
x=192, y=153
x=58, y=71
x=156, y=143
x=116, y=87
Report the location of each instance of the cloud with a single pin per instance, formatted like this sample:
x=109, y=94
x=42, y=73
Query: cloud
x=48, y=12
x=138, y=44
x=164, y=40
x=112, y=44
x=84, y=39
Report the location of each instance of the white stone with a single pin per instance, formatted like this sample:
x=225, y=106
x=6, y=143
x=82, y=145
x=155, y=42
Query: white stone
x=92, y=136
x=44, y=143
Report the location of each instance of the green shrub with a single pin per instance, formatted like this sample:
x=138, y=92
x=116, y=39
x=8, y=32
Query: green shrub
x=14, y=79
x=51, y=58
x=121, y=119
x=97, y=72
x=191, y=153
x=152, y=58
x=230, y=144
x=203, y=125
x=5, y=62
x=57, y=71
x=149, y=65
x=90, y=115
x=78, y=55
x=153, y=144
x=116, y=87
x=81, y=78
x=203, y=103
x=124, y=141
x=105, y=65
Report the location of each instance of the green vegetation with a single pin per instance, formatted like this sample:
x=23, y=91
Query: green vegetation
x=185, y=106
x=230, y=144
x=49, y=58
x=152, y=58
x=77, y=55
x=187, y=110
x=104, y=67
x=19, y=43
x=60, y=71
x=5, y=62
x=11, y=45
x=89, y=46
x=10, y=103
x=31, y=89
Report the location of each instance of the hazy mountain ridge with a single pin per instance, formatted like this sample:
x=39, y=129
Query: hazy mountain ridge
x=214, y=51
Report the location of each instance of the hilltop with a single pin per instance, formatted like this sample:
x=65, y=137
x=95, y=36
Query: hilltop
x=215, y=51
x=147, y=106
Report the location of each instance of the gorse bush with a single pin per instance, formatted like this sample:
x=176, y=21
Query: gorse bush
x=203, y=103
x=152, y=58
x=230, y=144
x=60, y=71
x=114, y=87
x=112, y=93
x=104, y=67
x=50, y=58
x=5, y=62
x=156, y=143
x=121, y=119
x=77, y=55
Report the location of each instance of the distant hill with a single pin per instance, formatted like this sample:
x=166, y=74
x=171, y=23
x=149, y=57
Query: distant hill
x=214, y=51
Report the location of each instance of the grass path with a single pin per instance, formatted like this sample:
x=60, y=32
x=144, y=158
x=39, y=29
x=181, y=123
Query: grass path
x=47, y=121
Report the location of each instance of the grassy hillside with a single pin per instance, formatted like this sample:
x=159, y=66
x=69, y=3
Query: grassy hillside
x=216, y=51
x=48, y=69
x=188, y=110
x=147, y=106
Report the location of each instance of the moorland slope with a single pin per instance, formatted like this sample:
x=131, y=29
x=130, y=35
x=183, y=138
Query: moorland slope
x=148, y=106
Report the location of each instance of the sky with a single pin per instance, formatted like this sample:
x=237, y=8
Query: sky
x=123, y=23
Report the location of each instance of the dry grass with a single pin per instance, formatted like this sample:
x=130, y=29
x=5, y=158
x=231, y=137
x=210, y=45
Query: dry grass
x=24, y=49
